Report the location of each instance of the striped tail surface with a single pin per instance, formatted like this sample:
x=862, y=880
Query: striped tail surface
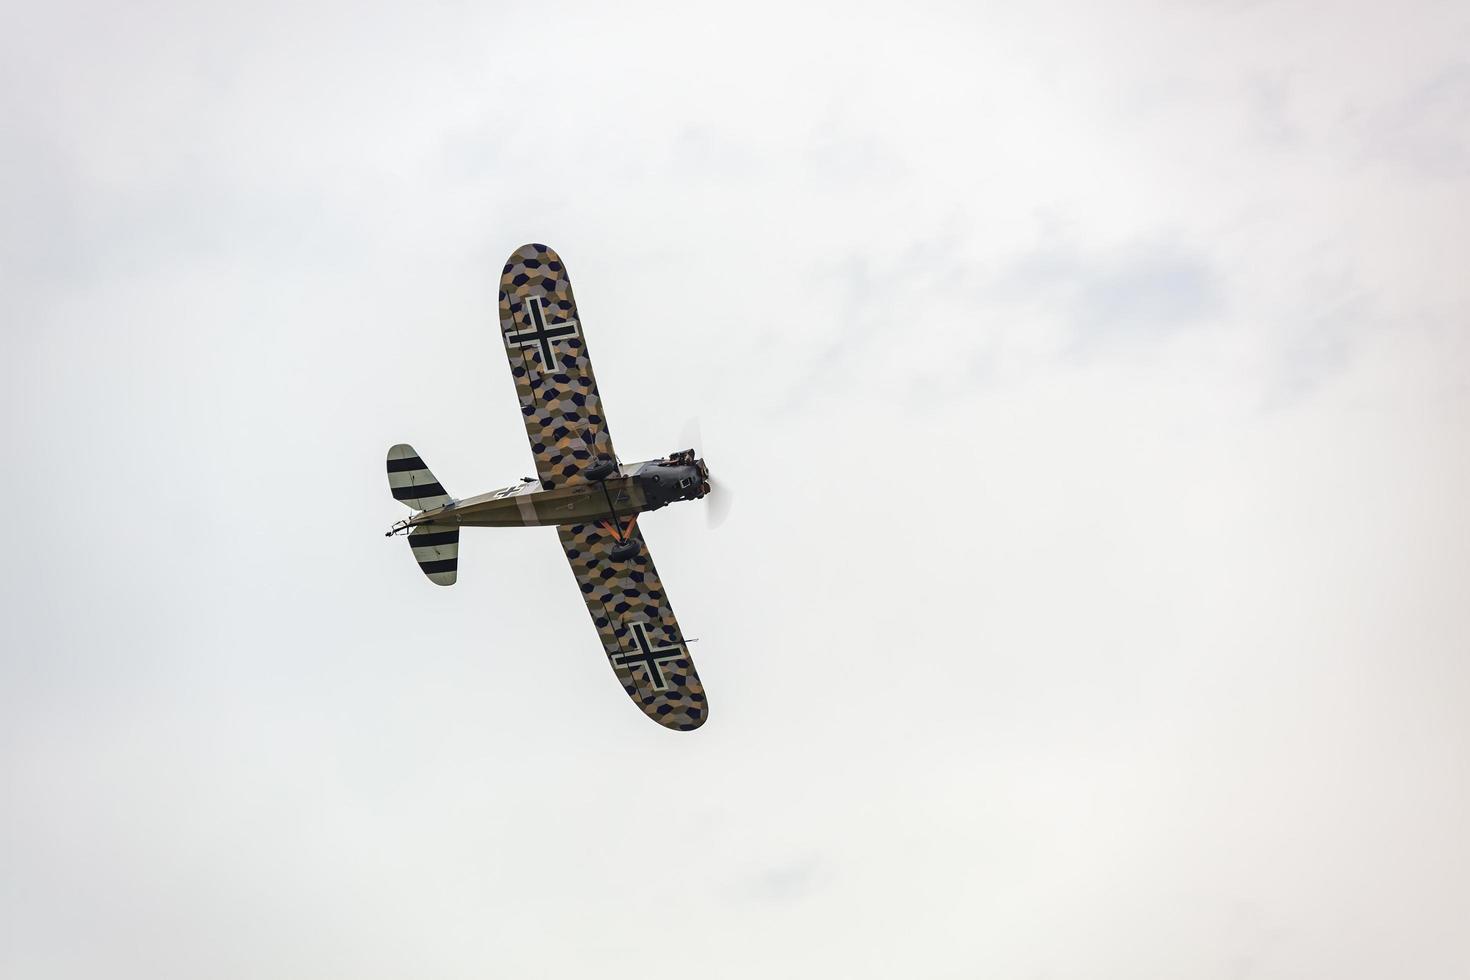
x=411, y=481
x=436, y=549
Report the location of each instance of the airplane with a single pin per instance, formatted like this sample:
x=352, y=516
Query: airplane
x=581, y=488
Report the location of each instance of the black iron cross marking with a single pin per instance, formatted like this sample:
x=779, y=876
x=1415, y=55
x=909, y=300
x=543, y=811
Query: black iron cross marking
x=541, y=335
x=651, y=658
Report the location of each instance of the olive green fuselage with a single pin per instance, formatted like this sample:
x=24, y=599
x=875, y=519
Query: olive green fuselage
x=526, y=505
x=627, y=491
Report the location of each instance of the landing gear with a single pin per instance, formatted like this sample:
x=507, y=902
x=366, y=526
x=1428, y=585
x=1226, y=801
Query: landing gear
x=600, y=470
x=625, y=546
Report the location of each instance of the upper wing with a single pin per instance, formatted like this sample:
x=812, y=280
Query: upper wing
x=548, y=359
x=637, y=627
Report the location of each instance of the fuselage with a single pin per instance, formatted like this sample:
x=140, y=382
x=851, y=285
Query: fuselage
x=630, y=490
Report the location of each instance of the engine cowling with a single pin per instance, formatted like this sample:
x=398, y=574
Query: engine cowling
x=663, y=483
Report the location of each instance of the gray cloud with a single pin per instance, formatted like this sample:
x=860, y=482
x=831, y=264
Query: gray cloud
x=1123, y=297
x=1425, y=130
x=793, y=880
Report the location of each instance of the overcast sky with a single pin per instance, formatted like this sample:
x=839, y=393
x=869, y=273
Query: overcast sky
x=1090, y=378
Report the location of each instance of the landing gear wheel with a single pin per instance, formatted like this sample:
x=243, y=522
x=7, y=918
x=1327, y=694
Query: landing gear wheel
x=600, y=470
x=624, y=550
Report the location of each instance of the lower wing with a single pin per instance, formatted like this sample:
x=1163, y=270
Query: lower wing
x=639, y=634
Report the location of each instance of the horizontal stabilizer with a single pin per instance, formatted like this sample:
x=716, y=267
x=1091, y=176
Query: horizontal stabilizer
x=411, y=481
x=436, y=549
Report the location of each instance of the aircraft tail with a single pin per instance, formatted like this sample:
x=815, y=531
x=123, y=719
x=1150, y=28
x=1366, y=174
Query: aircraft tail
x=436, y=549
x=435, y=546
x=411, y=482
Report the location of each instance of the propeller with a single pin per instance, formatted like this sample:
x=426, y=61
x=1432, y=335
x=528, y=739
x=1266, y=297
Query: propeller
x=718, y=501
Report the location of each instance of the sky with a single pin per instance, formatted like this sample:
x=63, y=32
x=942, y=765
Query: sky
x=1090, y=386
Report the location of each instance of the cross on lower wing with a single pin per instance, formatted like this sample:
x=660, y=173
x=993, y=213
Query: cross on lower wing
x=637, y=627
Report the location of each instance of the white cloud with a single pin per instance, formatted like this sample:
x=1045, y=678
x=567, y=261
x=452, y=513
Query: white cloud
x=1090, y=381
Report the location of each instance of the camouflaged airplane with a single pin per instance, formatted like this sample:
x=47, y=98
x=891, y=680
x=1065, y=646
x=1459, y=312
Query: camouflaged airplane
x=582, y=489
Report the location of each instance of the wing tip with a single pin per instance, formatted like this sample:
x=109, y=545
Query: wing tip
x=536, y=250
x=681, y=718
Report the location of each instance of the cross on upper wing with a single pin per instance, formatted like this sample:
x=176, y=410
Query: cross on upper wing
x=548, y=359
